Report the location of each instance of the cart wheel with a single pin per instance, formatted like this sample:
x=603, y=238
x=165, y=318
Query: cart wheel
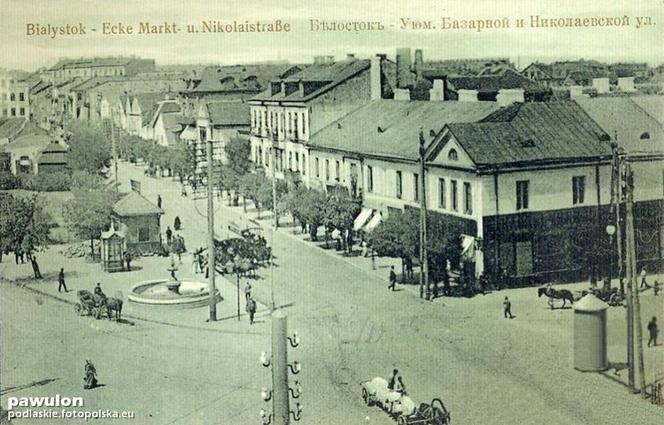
x=401, y=420
x=78, y=308
x=365, y=397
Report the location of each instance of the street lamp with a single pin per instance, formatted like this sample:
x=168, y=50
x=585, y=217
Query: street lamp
x=611, y=230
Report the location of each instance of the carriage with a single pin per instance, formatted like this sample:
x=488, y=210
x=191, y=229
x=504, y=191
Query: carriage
x=401, y=407
x=90, y=304
x=611, y=296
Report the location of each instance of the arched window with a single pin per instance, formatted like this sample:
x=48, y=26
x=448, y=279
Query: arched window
x=453, y=155
x=645, y=136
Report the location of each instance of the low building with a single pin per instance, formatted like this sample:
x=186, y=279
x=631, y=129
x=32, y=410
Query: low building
x=139, y=220
x=66, y=69
x=53, y=159
x=24, y=152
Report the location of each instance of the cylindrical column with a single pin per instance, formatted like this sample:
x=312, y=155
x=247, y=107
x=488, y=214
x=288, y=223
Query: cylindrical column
x=280, y=407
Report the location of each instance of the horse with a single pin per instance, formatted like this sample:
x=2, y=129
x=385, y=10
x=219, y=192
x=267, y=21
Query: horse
x=556, y=294
x=114, y=305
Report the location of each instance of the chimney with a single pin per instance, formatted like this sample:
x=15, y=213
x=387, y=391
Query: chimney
x=419, y=63
x=467, y=95
x=403, y=67
x=437, y=92
x=318, y=60
x=626, y=84
x=575, y=92
x=375, y=77
x=350, y=56
x=508, y=96
x=601, y=85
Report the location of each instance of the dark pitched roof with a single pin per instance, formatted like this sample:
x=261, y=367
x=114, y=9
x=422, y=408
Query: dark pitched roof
x=133, y=203
x=535, y=132
x=629, y=118
x=391, y=128
x=318, y=78
x=149, y=103
x=89, y=62
x=252, y=78
x=229, y=113
x=504, y=79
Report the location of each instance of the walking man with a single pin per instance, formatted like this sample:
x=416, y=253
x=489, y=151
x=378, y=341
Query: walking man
x=127, y=258
x=644, y=284
x=35, y=267
x=507, y=308
x=652, y=330
x=61, y=280
x=251, y=309
x=393, y=279
x=247, y=292
x=169, y=235
x=159, y=201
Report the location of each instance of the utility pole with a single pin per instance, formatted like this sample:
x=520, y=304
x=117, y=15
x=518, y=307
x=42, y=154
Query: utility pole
x=424, y=261
x=636, y=308
x=211, y=249
x=115, y=153
x=630, y=284
x=280, y=400
x=274, y=178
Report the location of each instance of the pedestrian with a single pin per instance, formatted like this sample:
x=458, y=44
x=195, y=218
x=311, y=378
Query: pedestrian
x=652, y=330
x=90, y=376
x=169, y=235
x=655, y=288
x=35, y=267
x=194, y=262
x=184, y=191
x=392, y=382
x=247, y=292
x=177, y=224
x=201, y=259
x=644, y=284
x=158, y=201
x=507, y=308
x=251, y=309
x=61, y=280
x=393, y=279
x=127, y=258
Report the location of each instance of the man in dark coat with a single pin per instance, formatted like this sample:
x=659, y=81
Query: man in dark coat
x=393, y=279
x=158, y=201
x=507, y=308
x=169, y=235
x=652, y=330
x=127, y=258
x=61, y=281
x=251, y=309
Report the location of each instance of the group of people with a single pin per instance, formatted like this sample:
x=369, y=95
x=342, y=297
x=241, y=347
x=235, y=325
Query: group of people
x=199, y=262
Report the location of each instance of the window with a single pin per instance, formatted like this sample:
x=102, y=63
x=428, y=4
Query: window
x=369, y=178
x=578, y=189
x=143, y=234
x=467, y=198
x=453, y=195
x=12, y=96
x=21, y=97
x=453, y=155
x=337, y=171
x=13, y=112
x=522, y=194
x=21, y=112
x=645, y=136
x=290, y=160
x=416, y=187
x=297, y=161
x=441, y=194
x=327, y=170
x=4, y=96
x=399, y=185
x=304, y=165
x=317, y=168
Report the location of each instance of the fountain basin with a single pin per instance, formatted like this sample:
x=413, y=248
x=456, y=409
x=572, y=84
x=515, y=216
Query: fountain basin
x=190, y=293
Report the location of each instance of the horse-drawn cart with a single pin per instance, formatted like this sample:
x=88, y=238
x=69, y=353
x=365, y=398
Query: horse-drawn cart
x=611, y=296
x=427, y=414
x=98, y=306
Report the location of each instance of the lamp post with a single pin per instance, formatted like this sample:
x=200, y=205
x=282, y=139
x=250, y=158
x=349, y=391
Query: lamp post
x=610, y=230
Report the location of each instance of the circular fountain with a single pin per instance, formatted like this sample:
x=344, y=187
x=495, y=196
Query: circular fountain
x=183, y=293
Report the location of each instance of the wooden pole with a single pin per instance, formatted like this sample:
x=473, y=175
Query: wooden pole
x=280, y=400
x=630, y=285
x=211, y=248
x=636, y=305
x=424, y=260
x=115, y=154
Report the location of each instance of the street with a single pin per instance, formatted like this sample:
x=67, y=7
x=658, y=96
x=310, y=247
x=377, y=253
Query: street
x=486, y=369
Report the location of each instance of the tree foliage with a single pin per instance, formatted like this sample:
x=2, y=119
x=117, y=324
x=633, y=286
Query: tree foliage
x=24, y=223
x=89, y=213
x=89, y=148
x=340, y=209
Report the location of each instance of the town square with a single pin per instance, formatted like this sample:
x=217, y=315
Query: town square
x=382, y=236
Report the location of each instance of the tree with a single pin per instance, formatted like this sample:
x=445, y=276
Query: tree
x=89, y=213
x=89, y=149
x=340, y=212
x=182, y=160
x=397, y=236
x=24, y=223
x=308, y=209
x=238, y=165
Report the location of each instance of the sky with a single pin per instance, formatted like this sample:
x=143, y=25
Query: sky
x=522, y=45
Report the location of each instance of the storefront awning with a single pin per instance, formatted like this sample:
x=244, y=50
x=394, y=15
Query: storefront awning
x=362, y=218
x=468, y=247
x=375, y=221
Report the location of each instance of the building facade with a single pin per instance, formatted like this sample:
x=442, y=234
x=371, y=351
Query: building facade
x=14, y=96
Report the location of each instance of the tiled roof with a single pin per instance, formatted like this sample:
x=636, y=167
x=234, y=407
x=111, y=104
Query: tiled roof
x=534, y=132
x=149, y=103
x=133, y=203
x=229, y=113
x=506, y=79
x=391, y=128
x=83, y=62
x=31, y=142
x=629, y=118
x=253, y=78
x=11, y=127
x=320, y=78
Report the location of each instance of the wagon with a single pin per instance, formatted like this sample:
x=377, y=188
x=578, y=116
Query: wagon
x=612, y=297
x=89, y=304
x=427, y=414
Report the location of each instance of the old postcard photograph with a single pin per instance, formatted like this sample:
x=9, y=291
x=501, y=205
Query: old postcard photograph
x=423, y=212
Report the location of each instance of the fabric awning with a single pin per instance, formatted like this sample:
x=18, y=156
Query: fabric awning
x=362, y=218
x=468, y=245
x=375, y=221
